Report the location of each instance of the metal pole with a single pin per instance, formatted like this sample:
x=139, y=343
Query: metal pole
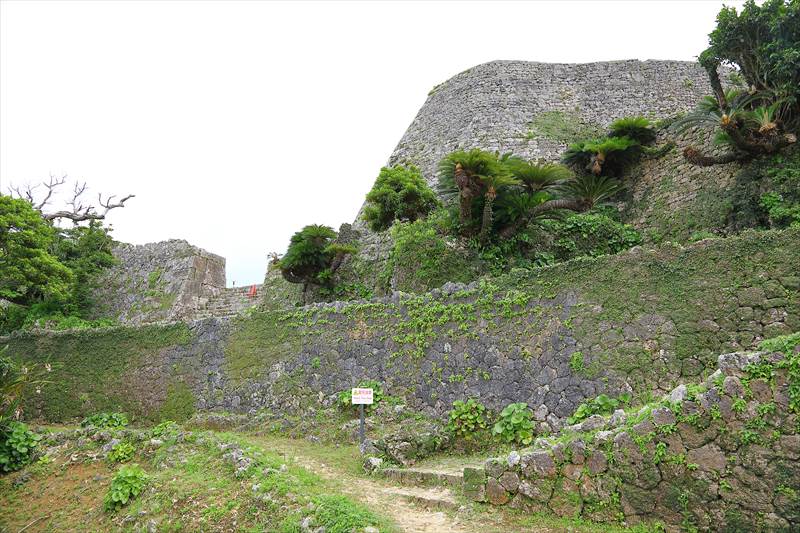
x=361, y=426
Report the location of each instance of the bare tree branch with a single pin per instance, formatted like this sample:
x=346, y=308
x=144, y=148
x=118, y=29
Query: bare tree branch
x=78, y=212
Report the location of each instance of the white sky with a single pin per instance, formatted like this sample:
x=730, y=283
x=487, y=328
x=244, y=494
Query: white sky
x=235, y=124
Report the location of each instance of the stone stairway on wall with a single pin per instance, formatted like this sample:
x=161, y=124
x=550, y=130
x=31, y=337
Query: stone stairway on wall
x=229, y=302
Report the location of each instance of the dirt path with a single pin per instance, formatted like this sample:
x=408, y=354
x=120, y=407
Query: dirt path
x=383, y=498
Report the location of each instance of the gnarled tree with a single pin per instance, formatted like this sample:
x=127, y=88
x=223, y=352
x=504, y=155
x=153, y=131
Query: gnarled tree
x=763, y=43
x=78, y=210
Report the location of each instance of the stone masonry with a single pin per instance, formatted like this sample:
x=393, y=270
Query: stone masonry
x=721, y=456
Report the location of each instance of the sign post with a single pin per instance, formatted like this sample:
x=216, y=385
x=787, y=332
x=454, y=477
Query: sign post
x=361, y=397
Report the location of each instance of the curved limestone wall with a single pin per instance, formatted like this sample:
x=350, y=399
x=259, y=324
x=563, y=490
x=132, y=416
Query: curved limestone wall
x=534, y=109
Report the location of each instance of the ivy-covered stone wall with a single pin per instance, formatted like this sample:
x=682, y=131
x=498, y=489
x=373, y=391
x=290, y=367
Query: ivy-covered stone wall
x=723, y=455
x=641, y=321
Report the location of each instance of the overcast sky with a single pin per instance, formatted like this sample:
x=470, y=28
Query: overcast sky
x=235, y=124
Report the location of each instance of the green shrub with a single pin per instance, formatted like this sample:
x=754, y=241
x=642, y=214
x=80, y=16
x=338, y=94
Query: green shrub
x=515, y=424
x=313, y=256
x=468, y=420
x=606, y=157
x=399, y=193
x=126, y=485
x=589, y=234
x=788, y=345
x=601, y=405
x=784, y=344
x=782, y=202
x=122, y=452
x=165, y=430
x=105, y=421
x=422, y=258
x=17, y=446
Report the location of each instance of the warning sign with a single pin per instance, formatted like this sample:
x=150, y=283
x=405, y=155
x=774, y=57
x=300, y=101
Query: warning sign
x=362, y=396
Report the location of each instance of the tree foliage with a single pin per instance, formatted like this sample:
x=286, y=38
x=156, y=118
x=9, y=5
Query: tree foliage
x=47, y=271
x=763, y=43
x=313, y=256
x=510, y=193
x=400, y=193
x=29, y=272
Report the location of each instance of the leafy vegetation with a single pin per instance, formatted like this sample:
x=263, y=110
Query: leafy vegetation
x=515, y=424
x=17, y=442
x=105, y=421
x=424, y=257
x=637, y=128
x=121, y=452
x=511, y=193
x=626, y=142
x=126, y=485
x=313, y=257
x=17, y=446
x=400, y=193
x=48, y=272
x=29, y=272
x=468, y=420
x=600, y=405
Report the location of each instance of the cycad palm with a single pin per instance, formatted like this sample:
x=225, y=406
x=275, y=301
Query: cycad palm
x=537, y=176
x=492, y=184
x=462, y=172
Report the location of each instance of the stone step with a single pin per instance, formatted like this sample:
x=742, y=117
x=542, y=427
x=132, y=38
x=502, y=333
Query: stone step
x=416, y=477
x=432, y=499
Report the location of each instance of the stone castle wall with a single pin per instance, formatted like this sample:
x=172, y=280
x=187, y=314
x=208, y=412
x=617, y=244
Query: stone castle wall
x=641, y=321
x=492, y=105
x=160, y=281
x=723, y=455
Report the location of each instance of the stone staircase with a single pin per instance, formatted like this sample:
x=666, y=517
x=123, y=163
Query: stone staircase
x=229, y=303
x=434, y=488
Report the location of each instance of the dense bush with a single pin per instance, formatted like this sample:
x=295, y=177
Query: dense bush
x=499, y=196
x=637, y=128
x=515, y=424
x=468, y=420
x=400, y=193
x=782, y=202
x=424, y=257
x=583, y=234
x=17, y=446
x=105, y=421
x=126, y=485
x=627, y=141
x=165, y=430
x=29, y=272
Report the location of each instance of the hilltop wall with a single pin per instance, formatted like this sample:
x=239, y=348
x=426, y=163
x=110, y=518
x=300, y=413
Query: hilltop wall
x=535, y=109
x=641, y=321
